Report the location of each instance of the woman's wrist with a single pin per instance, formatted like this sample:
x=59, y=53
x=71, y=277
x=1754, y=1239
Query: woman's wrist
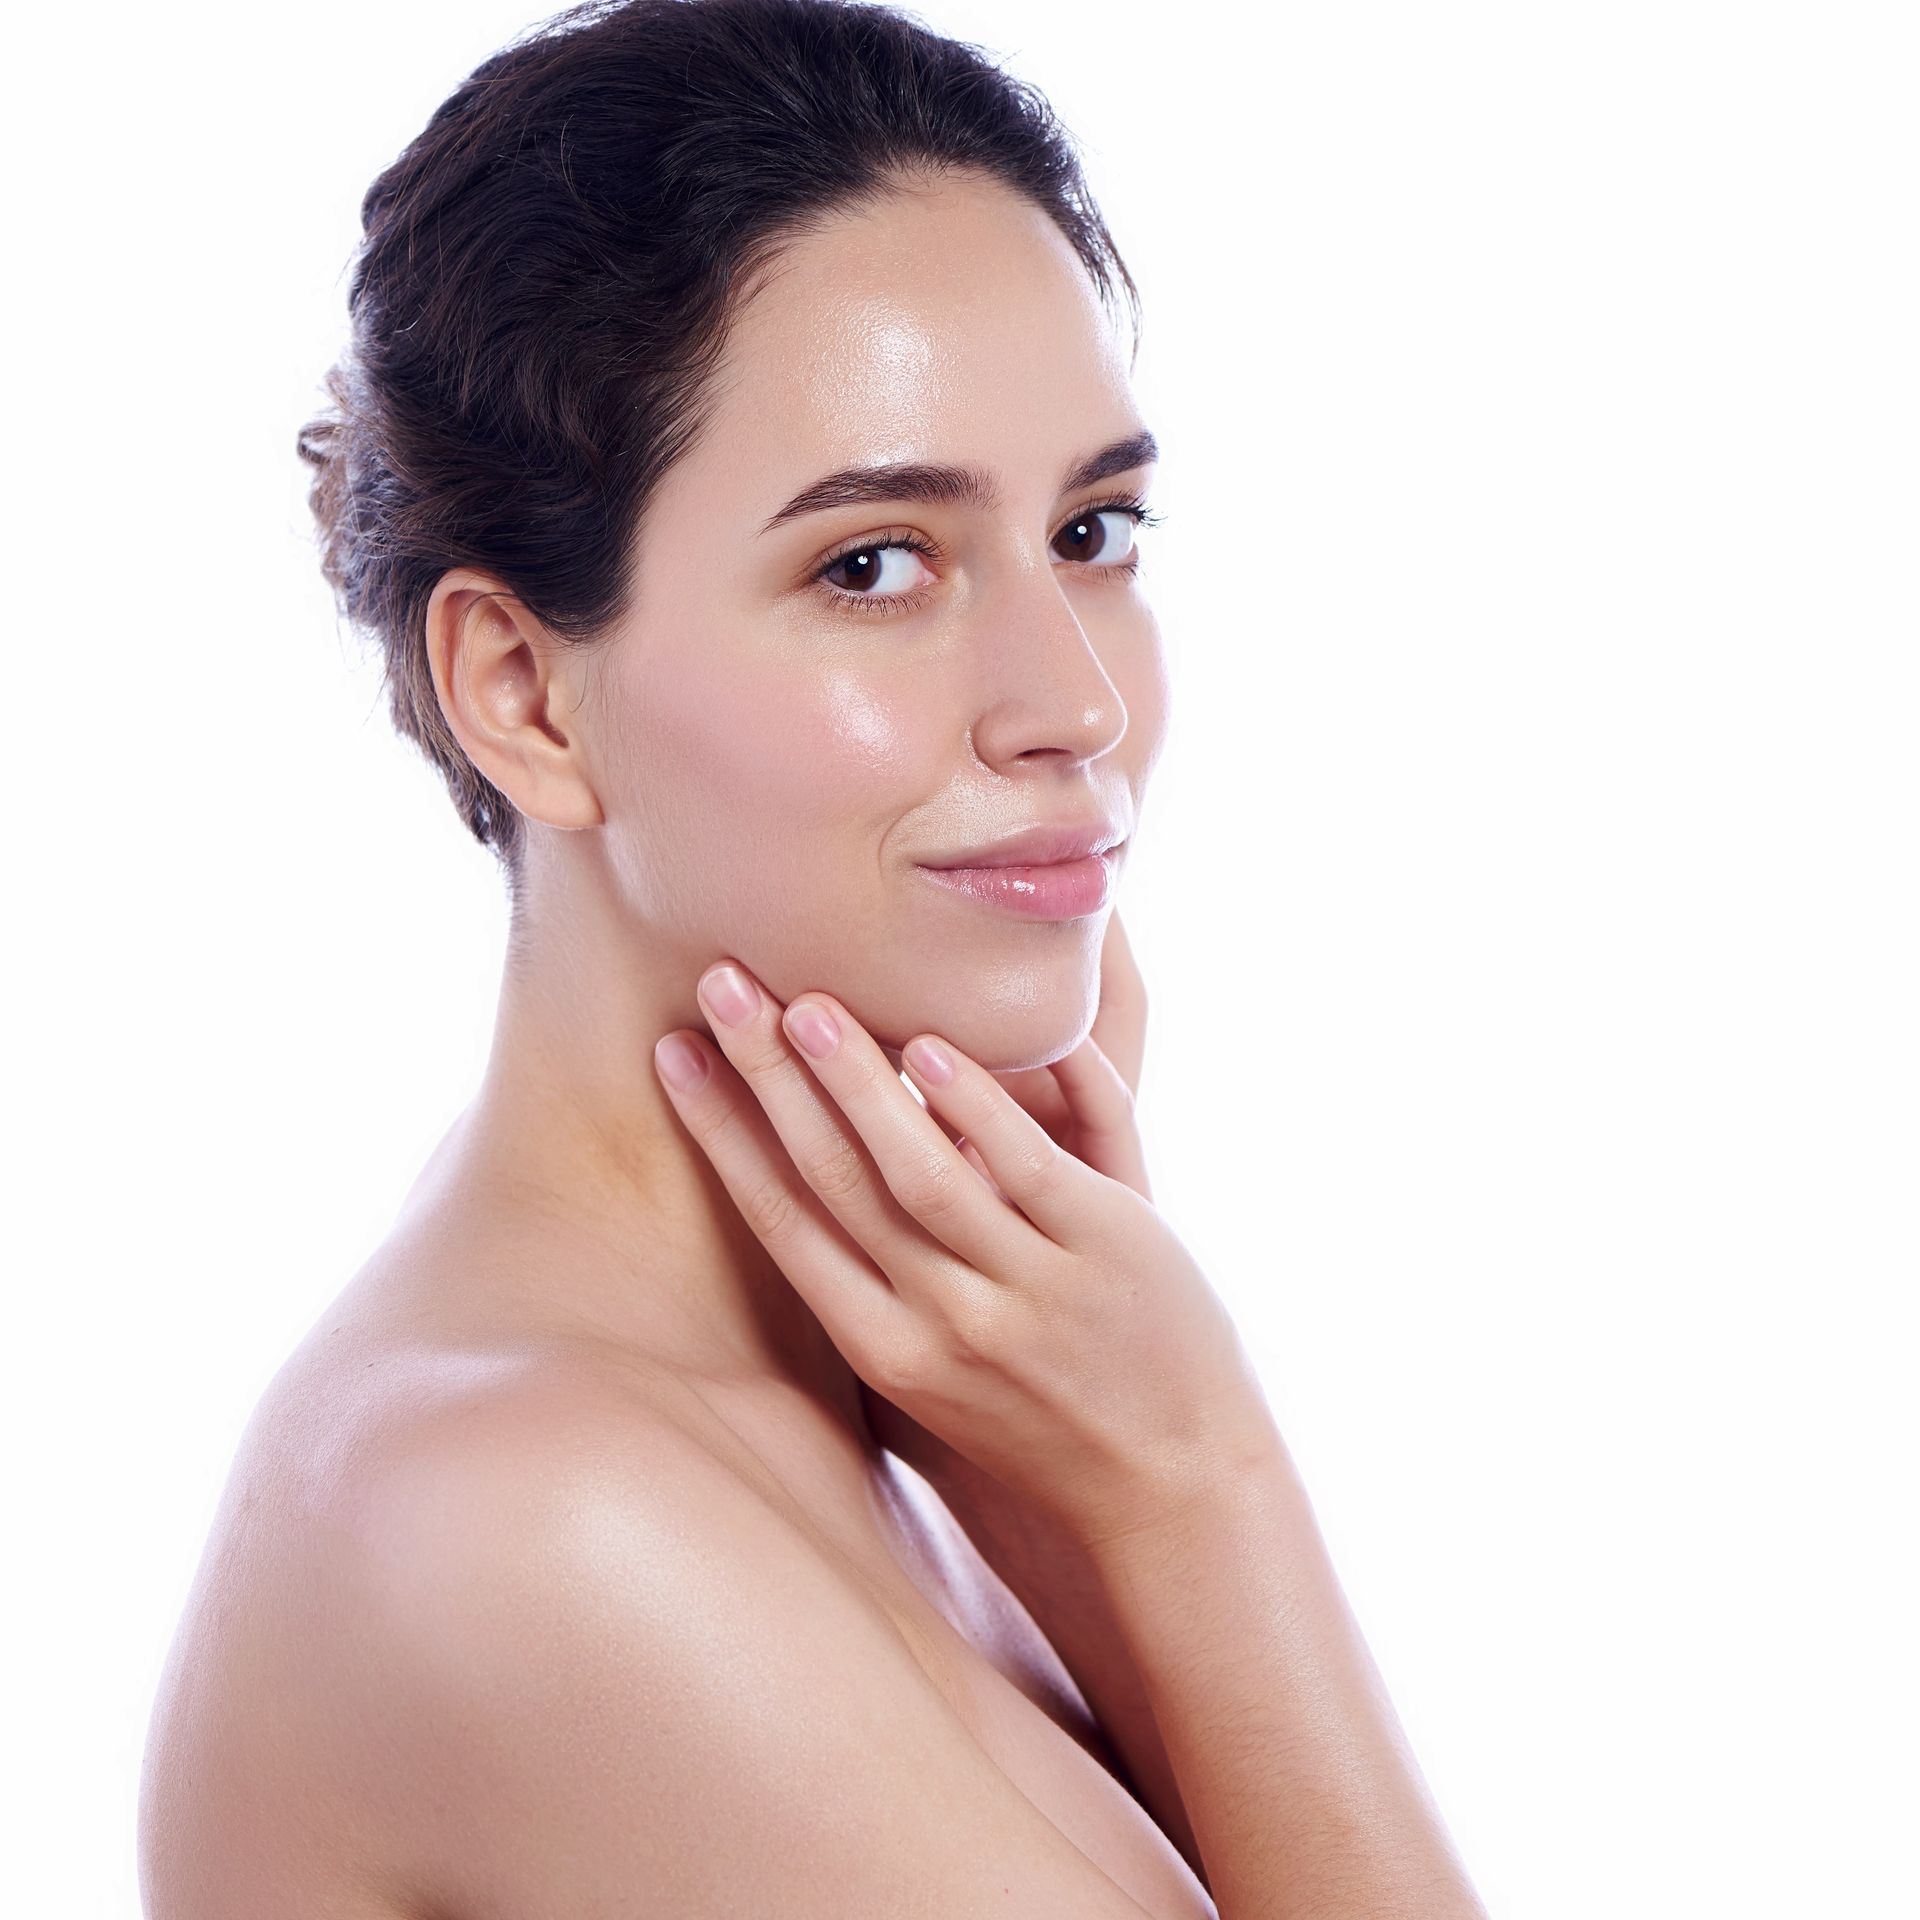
x=1229, y=1609
x=1165, y=1509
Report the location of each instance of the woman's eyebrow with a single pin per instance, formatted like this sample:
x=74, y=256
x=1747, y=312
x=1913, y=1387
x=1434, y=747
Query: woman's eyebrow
x=961, y=486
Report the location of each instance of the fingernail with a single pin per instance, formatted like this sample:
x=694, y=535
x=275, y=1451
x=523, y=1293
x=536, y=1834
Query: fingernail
x=814, y=1027
x=682, y=1064
x=728, y=996
x=929, y=1062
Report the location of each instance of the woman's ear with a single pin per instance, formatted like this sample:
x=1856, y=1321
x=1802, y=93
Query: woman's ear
x=509, y=690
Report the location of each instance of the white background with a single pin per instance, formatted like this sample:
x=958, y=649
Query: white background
x=1527, y=895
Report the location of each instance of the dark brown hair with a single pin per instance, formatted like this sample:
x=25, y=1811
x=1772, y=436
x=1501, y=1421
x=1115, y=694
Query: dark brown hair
x=546, y=275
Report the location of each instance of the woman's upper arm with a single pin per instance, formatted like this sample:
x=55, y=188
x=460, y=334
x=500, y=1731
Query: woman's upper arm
x=629, y=1680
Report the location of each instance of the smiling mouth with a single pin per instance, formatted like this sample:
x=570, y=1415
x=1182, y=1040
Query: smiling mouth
x=1035, y=890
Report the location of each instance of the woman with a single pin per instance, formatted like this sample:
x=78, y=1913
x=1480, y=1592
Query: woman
x=743, y=1482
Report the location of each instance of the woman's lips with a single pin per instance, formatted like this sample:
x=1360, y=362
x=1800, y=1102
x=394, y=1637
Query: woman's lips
x=1060, y=890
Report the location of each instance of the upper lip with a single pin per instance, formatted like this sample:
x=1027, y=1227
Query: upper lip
x=1040, y=846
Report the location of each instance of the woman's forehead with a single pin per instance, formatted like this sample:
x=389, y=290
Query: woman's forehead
x=913, y=284
x=1014, y=368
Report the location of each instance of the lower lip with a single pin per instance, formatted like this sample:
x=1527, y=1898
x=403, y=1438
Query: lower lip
x=1061, y=890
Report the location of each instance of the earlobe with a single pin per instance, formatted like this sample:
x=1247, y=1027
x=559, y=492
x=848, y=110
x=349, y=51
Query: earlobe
x=494, y=670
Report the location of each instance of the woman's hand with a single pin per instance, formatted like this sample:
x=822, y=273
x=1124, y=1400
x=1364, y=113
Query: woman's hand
x=1060, y=1338
x=1082, y=1109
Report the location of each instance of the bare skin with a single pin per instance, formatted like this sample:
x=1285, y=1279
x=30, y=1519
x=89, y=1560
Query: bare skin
x=581, y=1560
x=570, y=1317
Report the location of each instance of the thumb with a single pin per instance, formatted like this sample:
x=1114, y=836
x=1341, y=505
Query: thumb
x=1107, y=1133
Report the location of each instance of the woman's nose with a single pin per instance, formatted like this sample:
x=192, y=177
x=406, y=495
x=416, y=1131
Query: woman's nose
x=1043, y=684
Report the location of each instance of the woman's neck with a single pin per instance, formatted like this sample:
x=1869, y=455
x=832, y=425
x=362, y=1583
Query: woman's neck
x=596, y=1207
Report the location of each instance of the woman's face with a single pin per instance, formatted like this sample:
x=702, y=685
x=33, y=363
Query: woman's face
x=775, y=752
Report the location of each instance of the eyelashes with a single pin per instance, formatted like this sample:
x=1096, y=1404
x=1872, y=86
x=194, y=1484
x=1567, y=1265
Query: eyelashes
x=902, y=540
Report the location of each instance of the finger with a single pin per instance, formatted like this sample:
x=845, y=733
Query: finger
x=1120, y=1025
x=1050, y=1186
x=968, y=1151
x=861, y=1142
x=952, y=1132
x=914, y=1148
x=1106, y=1125
x=857, y=1303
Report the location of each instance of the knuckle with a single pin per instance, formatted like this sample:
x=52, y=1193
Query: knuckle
x=772, y=1210
x=722, y=1132
x=929, y=1186
x=762, y=1055
x=907, y=1364
x=975, y=1323
x=837, y=1170
x=1035, y=1164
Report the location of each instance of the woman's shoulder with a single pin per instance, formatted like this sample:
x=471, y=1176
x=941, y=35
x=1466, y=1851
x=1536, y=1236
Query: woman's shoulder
x=493, y=1624
x=414, y=1511
x=393, y=1446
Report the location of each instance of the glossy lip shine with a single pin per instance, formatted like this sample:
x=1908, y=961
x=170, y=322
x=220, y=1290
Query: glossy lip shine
x=1059, y=890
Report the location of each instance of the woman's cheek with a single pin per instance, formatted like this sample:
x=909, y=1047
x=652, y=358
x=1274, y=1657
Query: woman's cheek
x=865, y=725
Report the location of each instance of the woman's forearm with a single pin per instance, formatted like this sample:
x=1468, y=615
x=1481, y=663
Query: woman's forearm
x=1295, y=1774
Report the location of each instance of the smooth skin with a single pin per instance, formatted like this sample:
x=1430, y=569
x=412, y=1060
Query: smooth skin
x=563, y=1569
x=1065, y=1344
x=1038, y=1321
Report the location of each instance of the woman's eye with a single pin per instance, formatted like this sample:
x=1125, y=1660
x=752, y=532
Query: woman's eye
x=1084, y=538
x=879, y=571
x=879, y=576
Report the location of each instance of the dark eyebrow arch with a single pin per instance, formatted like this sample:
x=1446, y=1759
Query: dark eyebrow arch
x=952, y=486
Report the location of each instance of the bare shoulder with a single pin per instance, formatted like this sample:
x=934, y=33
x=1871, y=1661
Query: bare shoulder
x=487, y=1629
x=283, y=1732
x=607, y=1669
